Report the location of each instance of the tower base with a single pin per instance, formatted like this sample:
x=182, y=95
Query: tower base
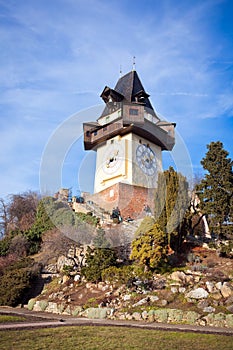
x=133, y=201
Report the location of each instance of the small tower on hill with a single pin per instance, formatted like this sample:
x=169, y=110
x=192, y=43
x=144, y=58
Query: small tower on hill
x=129, y=139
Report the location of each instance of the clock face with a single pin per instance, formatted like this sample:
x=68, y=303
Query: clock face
x=113, y=158
x=146, y=159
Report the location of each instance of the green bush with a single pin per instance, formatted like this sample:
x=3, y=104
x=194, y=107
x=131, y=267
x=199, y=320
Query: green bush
x=97, y=260
x=16, y=281
x=118, y=275
x=4, y=246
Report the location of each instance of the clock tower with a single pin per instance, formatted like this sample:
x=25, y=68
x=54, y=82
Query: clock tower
x=129, y=139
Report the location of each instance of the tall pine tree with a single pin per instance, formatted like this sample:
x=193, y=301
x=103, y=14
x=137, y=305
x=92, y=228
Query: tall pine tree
x=216, y=188
x=171, y=203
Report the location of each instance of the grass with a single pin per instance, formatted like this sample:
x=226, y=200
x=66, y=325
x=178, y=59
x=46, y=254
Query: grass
x=10, y=318
x=109, y=338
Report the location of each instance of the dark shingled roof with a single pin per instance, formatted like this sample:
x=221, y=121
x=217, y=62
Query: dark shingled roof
x=131, y=88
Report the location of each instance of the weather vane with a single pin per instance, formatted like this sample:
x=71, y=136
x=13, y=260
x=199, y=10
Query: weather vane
x=134, y=64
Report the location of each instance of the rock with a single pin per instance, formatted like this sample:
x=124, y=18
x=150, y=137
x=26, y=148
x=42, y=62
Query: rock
x=230, y=308
x=153, y=298
x=31, y=304
x=190, y=317
x=141, y=302
x=178, y=276
x=160, y=315
x=144, y=315
x=175, y=316
x=229, y=321
x=77, y=278
x=182, y=290
x=62, y=261
x=174, y=290
x=218, y=285
x=97, y=313
x=210, y=286
x=202, y=304
x=229, y=300
x=216, y=295
x=159, y=283
x=226, y=290
x=137, y=316
x=198, y=293
x=128, y=317
x=77, y=310
x=208, y=309
x=189, y=279
x=126, y=297
x=65, y=279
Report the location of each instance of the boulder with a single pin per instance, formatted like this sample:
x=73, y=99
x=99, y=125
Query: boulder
x=226, y=290
x=210, y=286
x=160, y=315
x=62, y=261
x=190, y=317
x=209, y=309
x=198, y=293
x=137, y=316
x=178, y=276
x=97, y=313
x=175, y=316
x=126, y=297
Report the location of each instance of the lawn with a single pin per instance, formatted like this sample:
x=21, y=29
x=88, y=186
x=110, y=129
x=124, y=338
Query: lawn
x=110, y=338
x=11, y=318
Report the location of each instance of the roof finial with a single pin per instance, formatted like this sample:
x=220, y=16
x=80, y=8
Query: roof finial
x=134, y=64
x=120, y=71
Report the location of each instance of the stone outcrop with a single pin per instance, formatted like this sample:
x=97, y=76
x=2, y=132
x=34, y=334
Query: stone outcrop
x=200, y=297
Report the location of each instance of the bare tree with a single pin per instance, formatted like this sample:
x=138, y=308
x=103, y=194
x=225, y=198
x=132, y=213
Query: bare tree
x=22, y=210
x=4, y=219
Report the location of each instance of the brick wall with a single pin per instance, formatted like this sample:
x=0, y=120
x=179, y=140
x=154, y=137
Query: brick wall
x=131, y=200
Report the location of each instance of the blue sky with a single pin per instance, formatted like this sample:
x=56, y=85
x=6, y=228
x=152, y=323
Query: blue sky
x=57, y=56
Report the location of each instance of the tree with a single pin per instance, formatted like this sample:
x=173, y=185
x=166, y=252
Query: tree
x=171, y=204
x=146, y=224
x=16, y=281
x=22, y=210
x=97, y=260
x=150, y=249
x=216, y=188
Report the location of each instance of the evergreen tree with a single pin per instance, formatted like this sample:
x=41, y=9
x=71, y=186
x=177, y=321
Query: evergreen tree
x=150, y=249
x=171, y=203
x=216, y=188
x=97, y=260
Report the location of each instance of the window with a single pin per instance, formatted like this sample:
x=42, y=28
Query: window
x=88, y=134
x=95, y=132
x=133, y=111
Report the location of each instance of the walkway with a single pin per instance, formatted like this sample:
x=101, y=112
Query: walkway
x=55, y=320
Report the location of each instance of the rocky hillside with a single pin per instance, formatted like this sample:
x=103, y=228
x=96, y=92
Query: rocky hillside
x=200, y=293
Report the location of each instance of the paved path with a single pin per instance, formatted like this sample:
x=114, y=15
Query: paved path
x=54, y=320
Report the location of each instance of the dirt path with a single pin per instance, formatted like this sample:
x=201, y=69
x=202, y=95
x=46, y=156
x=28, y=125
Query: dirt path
x=44, y=319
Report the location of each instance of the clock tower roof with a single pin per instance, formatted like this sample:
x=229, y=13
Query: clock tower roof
x=128, y=89
x=131, y=88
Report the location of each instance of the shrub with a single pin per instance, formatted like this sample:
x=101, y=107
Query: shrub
x=16, y=281
x=97, y=260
